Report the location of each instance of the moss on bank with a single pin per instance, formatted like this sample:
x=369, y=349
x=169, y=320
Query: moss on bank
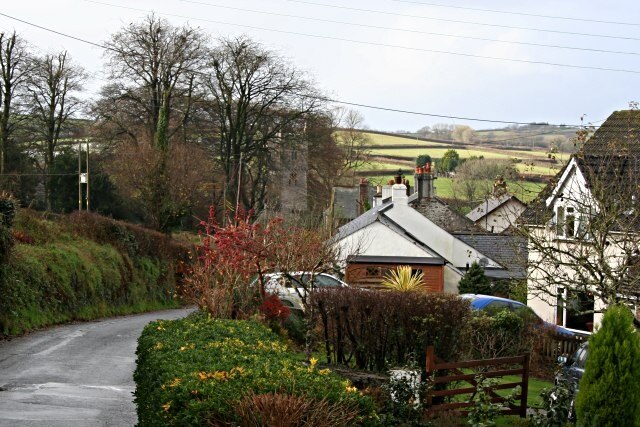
x=82, y=267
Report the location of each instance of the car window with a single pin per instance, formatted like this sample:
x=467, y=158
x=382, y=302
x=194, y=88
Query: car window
x=496, y=306
x=526, y=313
x=325, y=280
x=576, y=357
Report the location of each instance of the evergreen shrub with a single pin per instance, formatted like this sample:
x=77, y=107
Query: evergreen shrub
x=610, y=387
x=474, y=281
x=200, y=371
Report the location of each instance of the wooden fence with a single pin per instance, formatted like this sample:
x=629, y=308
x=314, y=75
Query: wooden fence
x=492, y=368
x=553, y=346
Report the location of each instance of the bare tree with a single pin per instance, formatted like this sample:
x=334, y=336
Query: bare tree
x=14, y=69
x=475, y=178
x=337, y=148
x=258, y=102
x=53, y=80
x=152, y=66
x=184, y=180
x=352, y=141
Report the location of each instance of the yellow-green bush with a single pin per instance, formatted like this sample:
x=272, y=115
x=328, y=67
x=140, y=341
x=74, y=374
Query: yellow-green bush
x=198, y=370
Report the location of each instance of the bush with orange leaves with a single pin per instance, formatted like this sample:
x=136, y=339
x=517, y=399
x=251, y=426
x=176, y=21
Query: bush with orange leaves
x=230, y=257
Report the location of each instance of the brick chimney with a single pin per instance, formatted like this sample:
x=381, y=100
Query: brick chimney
x=424, y=182
x=363, y=196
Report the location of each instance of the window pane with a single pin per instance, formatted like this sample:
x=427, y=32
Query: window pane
x=560, y=220
x=323, y=280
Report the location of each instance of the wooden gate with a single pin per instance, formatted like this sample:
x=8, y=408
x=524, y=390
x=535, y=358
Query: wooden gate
x=495, y=368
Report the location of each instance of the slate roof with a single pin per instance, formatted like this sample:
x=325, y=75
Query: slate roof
x=508, y=250
x=619, y=135
x=489, y=206
x=346, y=201
x=444, y=217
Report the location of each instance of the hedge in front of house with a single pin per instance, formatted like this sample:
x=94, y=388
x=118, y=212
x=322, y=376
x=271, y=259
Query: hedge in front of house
x=375, y=330
x=194, y=371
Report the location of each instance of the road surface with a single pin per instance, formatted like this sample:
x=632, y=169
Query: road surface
x=73, y=375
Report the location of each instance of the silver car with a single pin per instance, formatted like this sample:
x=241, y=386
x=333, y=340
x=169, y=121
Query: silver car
x=292, y=287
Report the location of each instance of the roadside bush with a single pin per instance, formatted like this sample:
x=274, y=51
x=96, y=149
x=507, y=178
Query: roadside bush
x=377, y=329
x=133, y=239
x=56, y=274
x=203, y=371
x=610, y=387
x=8, y=209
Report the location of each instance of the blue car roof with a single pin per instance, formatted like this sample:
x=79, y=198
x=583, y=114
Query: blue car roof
x=479, y=301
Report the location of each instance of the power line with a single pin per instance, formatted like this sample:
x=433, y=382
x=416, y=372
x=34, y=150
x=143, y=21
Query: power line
x=430, y=18
x=378, y=27
x=506, y=12
x=321, y=98
x=367, y=43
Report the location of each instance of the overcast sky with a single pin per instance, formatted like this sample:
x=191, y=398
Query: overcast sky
x=378, y=52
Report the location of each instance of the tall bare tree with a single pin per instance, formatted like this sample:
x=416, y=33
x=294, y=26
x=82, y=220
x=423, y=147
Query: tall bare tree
x=258, y=102
x=53, y=81
x=14, y=69
x=151, y=66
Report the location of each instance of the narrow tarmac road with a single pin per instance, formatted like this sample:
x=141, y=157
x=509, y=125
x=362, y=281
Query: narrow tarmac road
x=73, y=375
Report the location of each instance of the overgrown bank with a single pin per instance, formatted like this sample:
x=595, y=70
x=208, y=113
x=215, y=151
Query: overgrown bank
x=83, y=266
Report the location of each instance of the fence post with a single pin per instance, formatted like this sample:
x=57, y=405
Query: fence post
x=430, y=366
x=525, y=386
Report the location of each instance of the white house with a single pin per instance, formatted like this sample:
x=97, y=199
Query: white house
x=584, y=234
x=422, y=231
x=497, y=213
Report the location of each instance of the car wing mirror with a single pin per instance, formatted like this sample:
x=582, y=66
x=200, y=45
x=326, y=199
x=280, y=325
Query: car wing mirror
x=562, y=360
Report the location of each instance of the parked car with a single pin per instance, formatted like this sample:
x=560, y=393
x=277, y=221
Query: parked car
x=571, y=372
x=492, y=304
x=291, y=287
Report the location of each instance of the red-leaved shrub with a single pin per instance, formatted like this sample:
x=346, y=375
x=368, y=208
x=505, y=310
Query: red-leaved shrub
x=273, y=309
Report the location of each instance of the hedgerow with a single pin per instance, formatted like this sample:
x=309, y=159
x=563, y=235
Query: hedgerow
x=374, y=330
x=201, y=371
x=82, y=267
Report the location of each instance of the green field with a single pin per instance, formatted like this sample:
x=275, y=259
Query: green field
x=524, y=190
x=538, y=169
x=376, y=139
x=439, y=152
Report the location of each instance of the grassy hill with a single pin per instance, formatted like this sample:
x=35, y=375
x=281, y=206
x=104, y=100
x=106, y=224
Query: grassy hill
x=389, y=152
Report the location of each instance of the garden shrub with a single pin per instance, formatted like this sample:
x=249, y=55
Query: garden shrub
x=474, y=281
x=500, y=334
x=610, y=387
x=200, y=371
x=376, y=329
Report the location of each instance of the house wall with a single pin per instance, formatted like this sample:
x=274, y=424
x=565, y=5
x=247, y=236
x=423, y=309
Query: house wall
x=452, y=277
x=371, y=275
x=503, y=217
x=378, y=239
x=542, y=297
